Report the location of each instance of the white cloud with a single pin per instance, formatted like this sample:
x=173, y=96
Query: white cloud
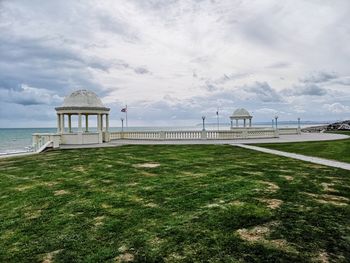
x=337, y=108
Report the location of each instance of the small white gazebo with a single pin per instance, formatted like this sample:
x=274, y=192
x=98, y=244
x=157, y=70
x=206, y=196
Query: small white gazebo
x=82, y=103
x=241, y=114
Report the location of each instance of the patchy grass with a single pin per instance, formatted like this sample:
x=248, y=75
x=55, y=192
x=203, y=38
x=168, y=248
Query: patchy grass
x=199, y=203
x=338, y=150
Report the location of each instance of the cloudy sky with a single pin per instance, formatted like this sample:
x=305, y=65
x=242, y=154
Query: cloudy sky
x=176, y=60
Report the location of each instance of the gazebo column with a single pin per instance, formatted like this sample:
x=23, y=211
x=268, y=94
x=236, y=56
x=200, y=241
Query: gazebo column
x=99, y=128
x=86, y=123
x=107, y=122
x=62, y=122
x=250, y=122
x=244, y=123
x=70, y=123
x=58, y=123
x=101, y=116
x=79, y=123
x=237, y=123
x=98, y=122
x=231, y=124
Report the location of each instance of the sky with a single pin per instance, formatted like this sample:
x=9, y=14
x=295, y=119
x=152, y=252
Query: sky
x=174, y=61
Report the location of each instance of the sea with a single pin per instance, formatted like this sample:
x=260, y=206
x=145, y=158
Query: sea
x=16, y=140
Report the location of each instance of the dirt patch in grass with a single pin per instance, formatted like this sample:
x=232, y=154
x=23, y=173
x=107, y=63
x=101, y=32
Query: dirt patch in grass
x=106, y=181
x=192, y=174
x=49, y=257
x=24, y=187
x=217, y=203
x=260, y=234
x=329, y=199
x=49, y=184
x=288, y=177
x=125, y=256
x=271, y=187
x=224, y=204
x=328, y=187
x=257, y=233
x=146, y=165
x=106, y=206
x=236, y=203
x=271, y=203
x=80, y=168
x=254, y=173
x=322, y=257
x=98, y=221
x=151, y=205
x=144, y=173
x=33, y=214
x=61, y=192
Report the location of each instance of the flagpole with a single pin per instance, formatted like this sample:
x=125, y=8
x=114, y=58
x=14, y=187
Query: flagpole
x=217, y=116
x=126, y=116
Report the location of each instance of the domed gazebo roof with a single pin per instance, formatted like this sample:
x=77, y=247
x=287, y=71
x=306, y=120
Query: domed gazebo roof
x=82, y=100
x=241, y=113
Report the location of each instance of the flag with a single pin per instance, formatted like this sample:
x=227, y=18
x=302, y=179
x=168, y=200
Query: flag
x=217, y=113
x=123, y=109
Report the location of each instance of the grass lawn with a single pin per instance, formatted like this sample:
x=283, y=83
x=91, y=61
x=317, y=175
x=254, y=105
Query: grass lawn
x=201, y=203
x=338, y=150
x=340, y=132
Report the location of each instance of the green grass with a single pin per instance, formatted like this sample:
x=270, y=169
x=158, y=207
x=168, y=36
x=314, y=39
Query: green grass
x=340, y=132
x=338, y=150
x=201, y=204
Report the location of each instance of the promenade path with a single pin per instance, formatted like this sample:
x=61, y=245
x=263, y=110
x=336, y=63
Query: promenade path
x=301, y=157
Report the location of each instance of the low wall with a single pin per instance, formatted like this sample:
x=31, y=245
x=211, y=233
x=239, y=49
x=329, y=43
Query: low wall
x=40, y=139
x=195, y=135
x=80, y=138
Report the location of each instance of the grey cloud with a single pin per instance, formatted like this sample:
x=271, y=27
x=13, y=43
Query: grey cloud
x=210, y=86
x=319, y=77
x=279, y=65
x=141, y=70
x=27, y=95
x=229, y=77
x=262, y=91
x=342, y=81
x=308, y=89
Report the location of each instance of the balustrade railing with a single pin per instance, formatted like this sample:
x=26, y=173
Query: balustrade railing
x=194, y=135
x=40, y=139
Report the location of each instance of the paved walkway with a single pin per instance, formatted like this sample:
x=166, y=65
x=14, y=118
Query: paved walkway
x=310, y=159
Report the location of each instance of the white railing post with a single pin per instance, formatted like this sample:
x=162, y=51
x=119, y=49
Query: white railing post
x=162, y=135
x=204, y=135
x=245, y=134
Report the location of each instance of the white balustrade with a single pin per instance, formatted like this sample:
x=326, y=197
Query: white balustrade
x=40, y=139
x=195, y=135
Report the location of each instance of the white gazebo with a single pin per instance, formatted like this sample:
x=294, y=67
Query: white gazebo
x=82, y=103
x=241, y=114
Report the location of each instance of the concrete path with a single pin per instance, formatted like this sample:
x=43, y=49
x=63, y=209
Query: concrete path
x=310, y=159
